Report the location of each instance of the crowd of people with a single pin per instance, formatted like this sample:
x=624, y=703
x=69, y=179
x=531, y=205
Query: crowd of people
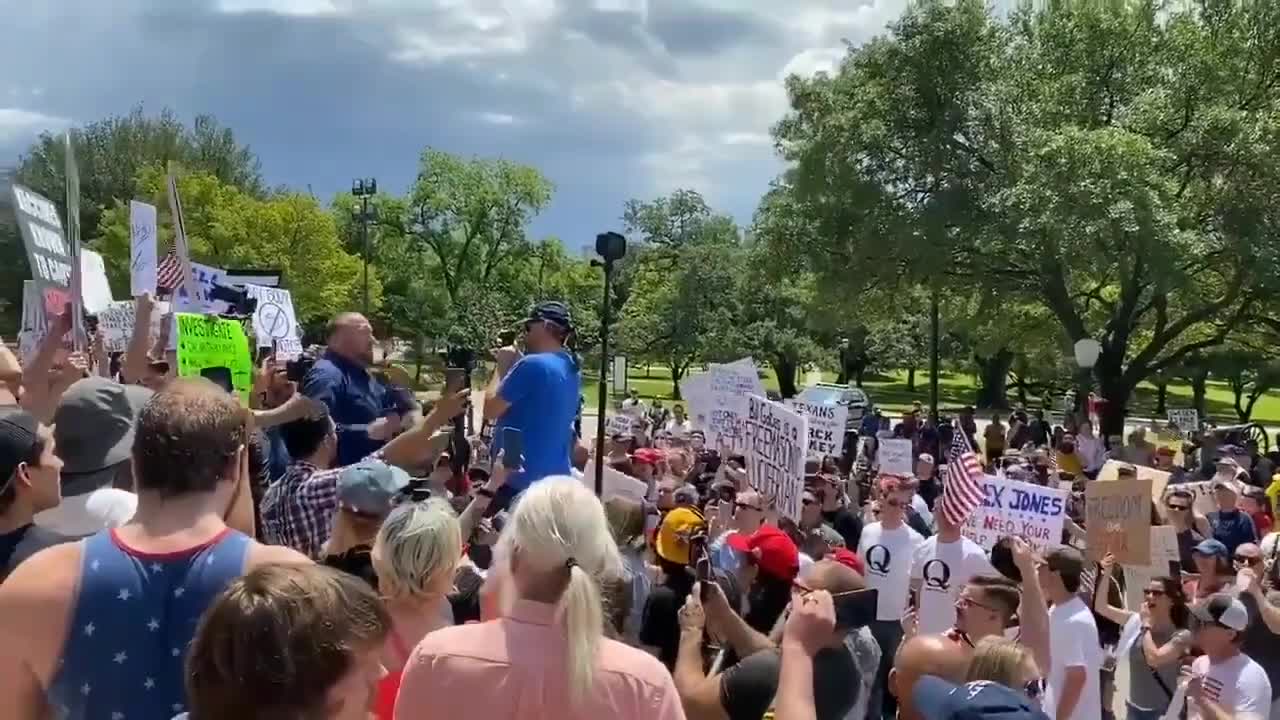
x=337, y=550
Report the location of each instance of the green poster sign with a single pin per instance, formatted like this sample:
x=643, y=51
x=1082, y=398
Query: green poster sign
x=216, y=349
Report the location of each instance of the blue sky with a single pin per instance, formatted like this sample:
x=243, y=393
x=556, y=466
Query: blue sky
x=611, y=99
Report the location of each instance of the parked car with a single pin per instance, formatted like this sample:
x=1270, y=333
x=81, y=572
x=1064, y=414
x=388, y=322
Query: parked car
x=853, y=397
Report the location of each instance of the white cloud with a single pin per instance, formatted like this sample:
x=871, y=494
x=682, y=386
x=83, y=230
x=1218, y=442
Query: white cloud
x=808, y=62
x=17, y=124
x=496, y=118
x=303, y=8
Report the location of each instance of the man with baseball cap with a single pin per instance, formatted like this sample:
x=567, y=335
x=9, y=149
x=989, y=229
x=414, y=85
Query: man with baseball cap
x=1225, y=682
x=771, y=564
x=29, y=483
x=94, y=428
x=1231, y=526
x=536, y=394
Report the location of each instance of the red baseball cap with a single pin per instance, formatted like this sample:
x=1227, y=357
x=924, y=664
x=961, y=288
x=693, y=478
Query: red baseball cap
x=773, y=552
x=646, y=456
x=849, y=559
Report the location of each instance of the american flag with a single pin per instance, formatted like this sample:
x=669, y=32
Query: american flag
x=964, y=490
x=168, y=273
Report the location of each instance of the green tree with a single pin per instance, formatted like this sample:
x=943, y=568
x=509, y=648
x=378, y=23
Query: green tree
x=1115, y=163
x=229, y=228
x=110, y=154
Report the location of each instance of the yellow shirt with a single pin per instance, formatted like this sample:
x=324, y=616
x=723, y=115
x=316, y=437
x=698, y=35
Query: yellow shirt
x=1273, y=492
x=1070, y=463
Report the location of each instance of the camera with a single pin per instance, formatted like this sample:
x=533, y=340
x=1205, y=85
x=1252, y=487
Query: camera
x=238, y=299
x=296, y=369
x=611, y=246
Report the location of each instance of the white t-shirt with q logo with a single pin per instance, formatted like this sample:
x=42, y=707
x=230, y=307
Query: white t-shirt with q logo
x=888, y=555
x=943, y=569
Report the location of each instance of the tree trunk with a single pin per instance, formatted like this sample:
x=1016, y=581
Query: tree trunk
x=911, y=379
x=677, y=374
x=1162, y=399
x=1198, y=382
x=1116, y=393
x=786, y=371
x=993, y=377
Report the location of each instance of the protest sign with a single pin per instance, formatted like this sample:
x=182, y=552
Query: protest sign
x=1186, y=419
x=94, y=289
x=775, y=440
x=274, y=322
x=618, y=424
x=618, y=374
x=895, y=457
x=216, y=349
x=826, y=425
x=206, y=277
x=142, y=248
x=116, y=324
x=1159, y=478
x=1165, y=562
x=1009, y=507
x=615, y=484
x=718, y=400
x=47, y=249
x=1118, y=520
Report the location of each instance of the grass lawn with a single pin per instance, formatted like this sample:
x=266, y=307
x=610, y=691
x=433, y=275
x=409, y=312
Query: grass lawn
x=890, y=392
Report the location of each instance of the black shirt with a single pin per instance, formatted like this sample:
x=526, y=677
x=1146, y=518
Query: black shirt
x=660, y=621
x=747, y=689
x=18, y=545
x=1261, y=644
x=847, y=524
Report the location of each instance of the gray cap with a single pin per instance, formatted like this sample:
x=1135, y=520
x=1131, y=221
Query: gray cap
x=370, y=487
x=93, y=430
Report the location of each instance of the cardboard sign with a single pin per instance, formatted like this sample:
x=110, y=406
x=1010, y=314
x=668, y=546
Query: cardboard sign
x=274, y=322
x=47, y=249
x=826, y=426
x=776, y=443
x=1165, y=561
x=1118, y=519
x=1185, y=419
x=142, y=248
x=1009, y=507
x=216, y=349
x=895, y=457
x=1159, y=478
x=116, y=324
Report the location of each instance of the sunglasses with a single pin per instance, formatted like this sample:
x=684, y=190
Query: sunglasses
x=1179, y=508
x=1247, y=560
x=964, y=601
x=744, y=506
x=1156, y=592
x=808, y=501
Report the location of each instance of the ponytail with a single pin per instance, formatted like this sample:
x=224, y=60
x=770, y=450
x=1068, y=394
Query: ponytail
x=584, y=624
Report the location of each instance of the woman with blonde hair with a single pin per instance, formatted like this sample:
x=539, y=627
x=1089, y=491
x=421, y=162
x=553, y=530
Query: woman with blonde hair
x=1001, y=660
x=546, y=652
x=414, y=555
x=626, y=523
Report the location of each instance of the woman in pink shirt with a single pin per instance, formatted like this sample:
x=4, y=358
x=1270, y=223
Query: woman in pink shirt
x=546, y=656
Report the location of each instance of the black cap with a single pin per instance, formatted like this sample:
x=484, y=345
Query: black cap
x=17, y=440
x=552, y=311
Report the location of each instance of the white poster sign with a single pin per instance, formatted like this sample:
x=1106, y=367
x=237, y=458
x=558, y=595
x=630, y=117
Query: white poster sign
x=615, y=483
x=206, y=277
x=1009, y=507
x=776, y=439
x=274, y=322
x=718, y=400
x=826, y=425
x=895, y=457
x=1185, y=419
x=94, y=289
x=619, y=424
x=142, y=248
x=1164, y=550
x=116, y=324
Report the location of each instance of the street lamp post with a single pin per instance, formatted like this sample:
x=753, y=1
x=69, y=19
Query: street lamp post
x=611, y=247
x=1086, y=351
x=365, y=189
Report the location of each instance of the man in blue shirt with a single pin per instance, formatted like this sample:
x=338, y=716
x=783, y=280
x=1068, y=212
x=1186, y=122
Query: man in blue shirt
x=538, y=395
x=357, y=401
